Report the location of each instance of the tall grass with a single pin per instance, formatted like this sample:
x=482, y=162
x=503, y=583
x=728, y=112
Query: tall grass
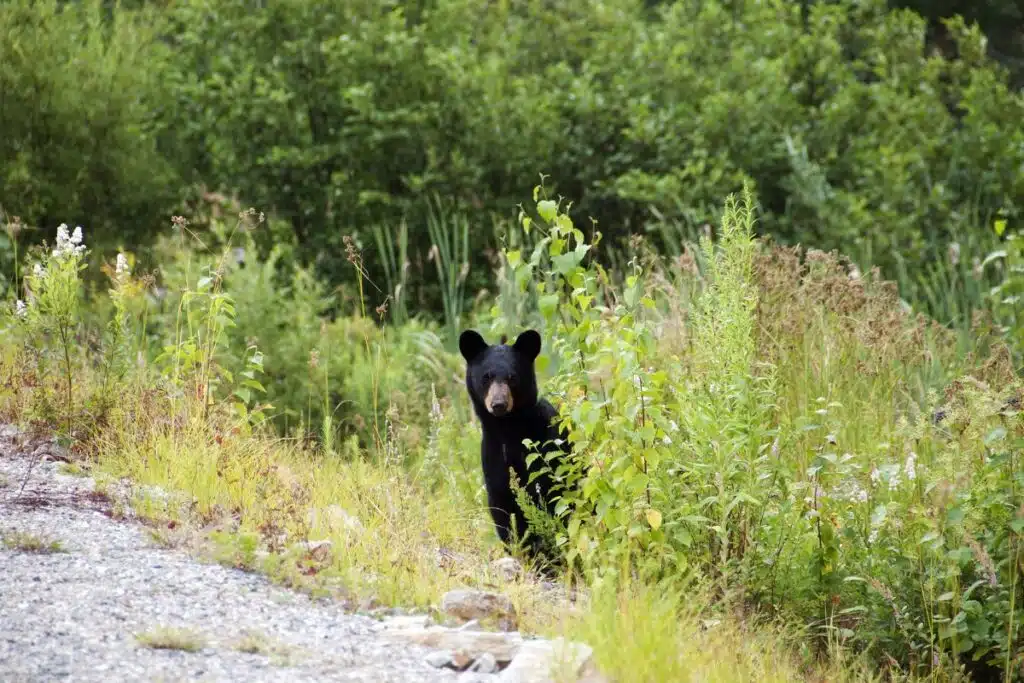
x=393, y=250
x=449, y=235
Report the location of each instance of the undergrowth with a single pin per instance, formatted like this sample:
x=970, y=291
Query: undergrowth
x=779, y=471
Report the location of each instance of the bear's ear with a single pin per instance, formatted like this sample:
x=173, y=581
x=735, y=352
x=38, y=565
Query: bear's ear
x=528, y=344
x=471, y=344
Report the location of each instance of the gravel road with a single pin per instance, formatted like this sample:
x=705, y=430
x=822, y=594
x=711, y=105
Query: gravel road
x=74, y=615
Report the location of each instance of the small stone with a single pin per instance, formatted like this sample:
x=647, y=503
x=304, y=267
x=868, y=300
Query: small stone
x=539, y=660
x=485, y=664
x=439, y=659
x=508, y=568
x=467, y=605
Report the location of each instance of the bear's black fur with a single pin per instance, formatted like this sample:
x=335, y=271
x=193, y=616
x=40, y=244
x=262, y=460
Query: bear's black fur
x=502, y=386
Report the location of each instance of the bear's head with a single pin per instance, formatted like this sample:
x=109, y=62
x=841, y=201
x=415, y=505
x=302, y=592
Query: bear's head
x=501, y=378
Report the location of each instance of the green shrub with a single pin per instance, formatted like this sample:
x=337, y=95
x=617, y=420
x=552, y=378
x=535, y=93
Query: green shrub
x=780, y=444
x=349, y=121
x=80, y=85
x=325, y=377
x=854, y=136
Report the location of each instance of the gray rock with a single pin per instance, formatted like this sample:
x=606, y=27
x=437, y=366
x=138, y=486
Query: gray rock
x=467, y=605
x=541, y=661
x=485, y=664
x=439, y=659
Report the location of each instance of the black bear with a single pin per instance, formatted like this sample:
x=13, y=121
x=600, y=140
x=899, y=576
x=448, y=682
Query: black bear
x=502, y=386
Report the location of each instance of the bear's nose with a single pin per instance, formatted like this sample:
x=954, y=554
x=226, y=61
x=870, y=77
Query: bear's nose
x=499, y=408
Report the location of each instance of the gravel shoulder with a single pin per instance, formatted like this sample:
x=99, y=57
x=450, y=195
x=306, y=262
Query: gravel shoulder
x=74, y=615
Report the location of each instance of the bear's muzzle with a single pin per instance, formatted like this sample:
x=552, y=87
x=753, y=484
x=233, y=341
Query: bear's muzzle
x=498, y=400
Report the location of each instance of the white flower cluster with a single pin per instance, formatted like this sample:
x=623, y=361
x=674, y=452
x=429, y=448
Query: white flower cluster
x=68, y=244
x=909, y=467
x=20, y=309
x=122, y=266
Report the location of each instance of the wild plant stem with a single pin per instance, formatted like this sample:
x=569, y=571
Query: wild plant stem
x=67, y=370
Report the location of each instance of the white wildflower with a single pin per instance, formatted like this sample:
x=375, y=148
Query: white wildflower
x=860, y=495
x=875, y=475
x=20, y=309
x=68, y=244
x=122, y=265
x=666, y=440
x=909, y=468
x=873, y=536
x=38, y=271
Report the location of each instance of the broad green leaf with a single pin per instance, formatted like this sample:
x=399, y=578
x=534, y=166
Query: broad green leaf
x=548, y=304
x=547, y=209
x=654, y=518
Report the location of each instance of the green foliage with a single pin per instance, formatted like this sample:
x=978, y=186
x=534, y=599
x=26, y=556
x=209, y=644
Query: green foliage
x=339, y=119
x=191, y=361
x=326, y=112
x=335, y=378
x=634, y=490
x=80, y=85
x=1008, y=295
x=769, y=426
x=783, y=449
x=51, y=317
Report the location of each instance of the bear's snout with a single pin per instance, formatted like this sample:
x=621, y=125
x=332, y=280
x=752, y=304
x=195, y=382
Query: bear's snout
x=499, y=399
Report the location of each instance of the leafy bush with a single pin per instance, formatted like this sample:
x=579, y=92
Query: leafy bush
x=792, y=449
x=854, y=136
x=80, y=84
x=327, y=377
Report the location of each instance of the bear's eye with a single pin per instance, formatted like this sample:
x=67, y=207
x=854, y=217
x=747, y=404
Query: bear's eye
x=513, y=381
x=488, y=376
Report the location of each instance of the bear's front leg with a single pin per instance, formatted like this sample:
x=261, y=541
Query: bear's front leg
x=501, y=500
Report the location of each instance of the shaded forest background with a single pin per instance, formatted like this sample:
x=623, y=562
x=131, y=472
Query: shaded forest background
x=887, y=132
